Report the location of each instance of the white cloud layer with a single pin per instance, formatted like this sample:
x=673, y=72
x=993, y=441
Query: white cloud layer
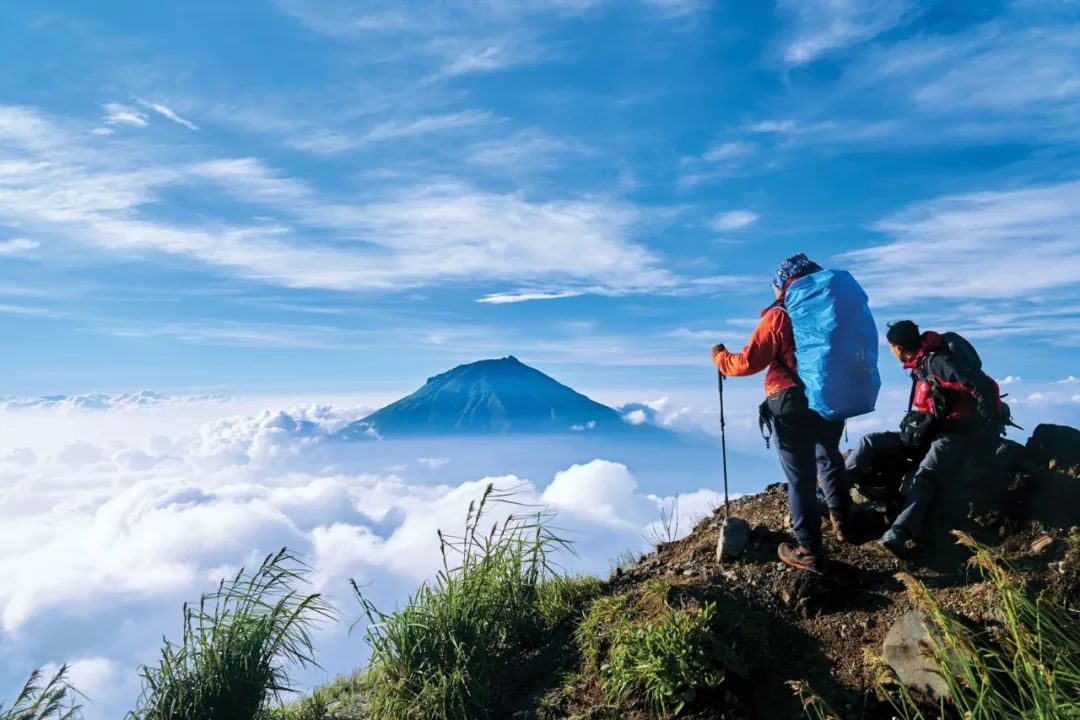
x=129, y=529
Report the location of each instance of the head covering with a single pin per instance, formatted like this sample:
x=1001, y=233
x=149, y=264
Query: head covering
x=794, y=267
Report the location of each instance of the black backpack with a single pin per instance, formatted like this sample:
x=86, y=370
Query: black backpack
x=958, y=346
x=965, y=353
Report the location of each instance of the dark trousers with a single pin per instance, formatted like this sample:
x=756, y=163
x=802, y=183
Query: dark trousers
x=809, y=450
x=943, y=457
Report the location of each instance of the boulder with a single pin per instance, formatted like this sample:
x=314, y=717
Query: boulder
x=1054, y=499
x=908, y=651
x=734, y=536
x=1059, y=443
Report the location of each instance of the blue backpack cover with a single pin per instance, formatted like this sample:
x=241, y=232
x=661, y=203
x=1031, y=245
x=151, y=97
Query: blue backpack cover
x=836, y=343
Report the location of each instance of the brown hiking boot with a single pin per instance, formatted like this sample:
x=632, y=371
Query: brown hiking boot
x=802, y=558
x=841, y=523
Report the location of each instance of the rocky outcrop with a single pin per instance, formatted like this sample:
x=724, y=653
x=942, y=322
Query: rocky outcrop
x=1059, y=444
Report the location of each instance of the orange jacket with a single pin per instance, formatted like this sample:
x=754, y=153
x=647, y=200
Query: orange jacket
x=772, y=339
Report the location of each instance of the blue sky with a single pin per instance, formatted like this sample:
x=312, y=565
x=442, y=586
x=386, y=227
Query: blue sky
x=304, y=208
x=311, y=196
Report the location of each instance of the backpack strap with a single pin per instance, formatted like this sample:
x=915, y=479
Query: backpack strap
x=937, y=396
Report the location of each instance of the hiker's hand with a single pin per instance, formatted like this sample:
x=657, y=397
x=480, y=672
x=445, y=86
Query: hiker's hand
x=716, y=350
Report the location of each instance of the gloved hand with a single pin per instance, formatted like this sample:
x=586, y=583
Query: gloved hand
x=717, y=349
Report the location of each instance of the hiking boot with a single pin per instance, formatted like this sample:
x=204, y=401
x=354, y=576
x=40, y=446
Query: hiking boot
x=801, y=557
x=841, y=523
x=897, y=541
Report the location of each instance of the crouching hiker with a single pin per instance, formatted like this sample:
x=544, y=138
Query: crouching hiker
x=818, y=343
x=954, y=412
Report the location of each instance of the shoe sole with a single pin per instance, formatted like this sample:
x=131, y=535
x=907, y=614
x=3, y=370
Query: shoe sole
x=798, y=566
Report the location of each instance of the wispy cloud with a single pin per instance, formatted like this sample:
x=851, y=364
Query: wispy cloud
x=395, y=129
x=733, y=220
x=1010, y=77
x=818, y=27
x=772, y=126
x=528, y=150
x=722, y=160
x=487, y=54
x=168, y=113
x=406, y=236
x=237, y=334
x=520, y=297
x=119, y=114
x=430, y=16
x=984, y=245
x=997, y=264
x=17, y=246
x=997, y=78
x=724, y=152
x=303, y=134
x=31, y=311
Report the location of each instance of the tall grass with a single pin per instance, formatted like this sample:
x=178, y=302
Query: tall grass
x=238, y=647
x=1026, y=664
x=51, y=700
x=446, y=653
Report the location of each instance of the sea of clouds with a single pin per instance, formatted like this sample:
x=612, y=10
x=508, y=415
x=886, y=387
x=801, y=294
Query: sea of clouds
x=114, y=510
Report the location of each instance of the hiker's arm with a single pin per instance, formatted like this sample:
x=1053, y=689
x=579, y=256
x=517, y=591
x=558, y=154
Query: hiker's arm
x=759, y=352
x=976, y=383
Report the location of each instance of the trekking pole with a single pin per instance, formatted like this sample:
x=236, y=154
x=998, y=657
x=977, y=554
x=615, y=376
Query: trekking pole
x=723, y=442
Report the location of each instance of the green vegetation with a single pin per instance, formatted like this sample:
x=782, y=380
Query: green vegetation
x=447, y=653
x=52, y=700
x=238, y=646
x=343, y=698
x=645, y=652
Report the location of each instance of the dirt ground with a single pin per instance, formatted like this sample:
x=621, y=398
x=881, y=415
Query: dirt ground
x=789, y=625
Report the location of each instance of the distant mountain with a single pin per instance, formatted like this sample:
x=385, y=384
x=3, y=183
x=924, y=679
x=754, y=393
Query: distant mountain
x=494, y=396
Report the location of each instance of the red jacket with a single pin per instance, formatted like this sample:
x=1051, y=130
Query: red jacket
x=772, y=346
x=962, y=391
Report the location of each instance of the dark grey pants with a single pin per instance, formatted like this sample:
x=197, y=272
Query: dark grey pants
x=809, y=450
x=944, y=456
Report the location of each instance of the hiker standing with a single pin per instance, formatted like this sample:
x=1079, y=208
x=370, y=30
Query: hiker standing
x=955, y=409
x=807, y=442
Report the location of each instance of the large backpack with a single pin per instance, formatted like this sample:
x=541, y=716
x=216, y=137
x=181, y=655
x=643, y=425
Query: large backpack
x=958, y=346
x=836, y=343
x=964, y=352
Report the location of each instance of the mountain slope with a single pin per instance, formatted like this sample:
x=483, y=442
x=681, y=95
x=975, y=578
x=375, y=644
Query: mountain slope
x=494, y=396
x=677, y=634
